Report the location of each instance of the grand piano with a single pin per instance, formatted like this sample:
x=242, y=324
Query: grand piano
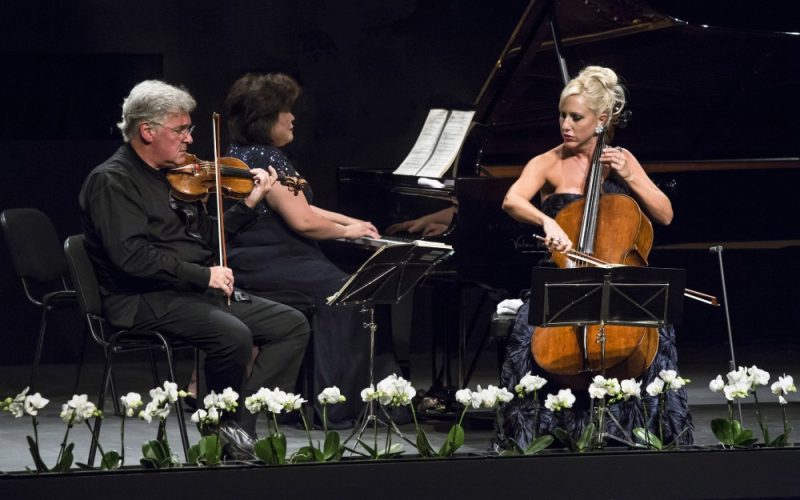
x=714, y=108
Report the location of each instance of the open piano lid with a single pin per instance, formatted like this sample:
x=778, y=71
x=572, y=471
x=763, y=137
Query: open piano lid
x=697, y=92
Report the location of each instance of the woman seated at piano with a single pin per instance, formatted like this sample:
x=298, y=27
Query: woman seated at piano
x=279, y=252
x=595, y=97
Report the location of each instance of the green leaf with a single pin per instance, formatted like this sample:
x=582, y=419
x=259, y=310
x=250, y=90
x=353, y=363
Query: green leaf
x=424, y=447
x=66, y=460
x=644, y=437
x=514, y=449
x=333, y=449
x=156, y=455
x=278, y=442
x=394, y=450
x=744, y=438
x=194, y=454
x=782, y=440
x=207, y=451
x=37, y=459
x=110, y=460
x=539, y=444
x=372, y=453
x=725, y=430
x=565, y=438
x=264, y=452
x=455, y=438
x=306, y=454
x=302, y=456
x=585, y=441
x=730, y=433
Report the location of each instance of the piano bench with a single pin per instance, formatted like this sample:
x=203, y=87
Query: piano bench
x=499, y=330
x=501, y=325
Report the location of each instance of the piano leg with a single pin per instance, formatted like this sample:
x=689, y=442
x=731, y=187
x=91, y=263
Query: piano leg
x=460, y=319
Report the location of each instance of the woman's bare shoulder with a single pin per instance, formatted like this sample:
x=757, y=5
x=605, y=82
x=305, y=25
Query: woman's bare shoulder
x=545, y=161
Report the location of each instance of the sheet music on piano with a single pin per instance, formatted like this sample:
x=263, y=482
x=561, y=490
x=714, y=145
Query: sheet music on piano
x=438, y=143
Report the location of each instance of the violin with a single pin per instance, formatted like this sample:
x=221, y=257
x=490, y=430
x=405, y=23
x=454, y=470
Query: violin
x=196, y=178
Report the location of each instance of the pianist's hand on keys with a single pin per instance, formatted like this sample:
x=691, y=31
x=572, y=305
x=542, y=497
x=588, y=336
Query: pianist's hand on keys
x=360, y=229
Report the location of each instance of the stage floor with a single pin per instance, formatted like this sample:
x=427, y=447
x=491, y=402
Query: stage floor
x=700, y=363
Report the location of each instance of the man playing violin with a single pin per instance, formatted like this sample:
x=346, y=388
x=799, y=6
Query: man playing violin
x=155, y=255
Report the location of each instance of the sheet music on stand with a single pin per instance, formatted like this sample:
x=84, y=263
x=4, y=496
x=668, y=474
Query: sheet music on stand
x=390, y=273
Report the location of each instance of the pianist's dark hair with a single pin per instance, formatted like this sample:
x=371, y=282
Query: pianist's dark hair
x=602, y=90
x=253, y=104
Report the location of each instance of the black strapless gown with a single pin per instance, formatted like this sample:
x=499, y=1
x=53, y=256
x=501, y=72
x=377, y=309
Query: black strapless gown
x=269, y=256
x=517, y=417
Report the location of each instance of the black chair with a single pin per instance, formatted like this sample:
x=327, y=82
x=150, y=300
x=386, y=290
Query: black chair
x=38, y=261
x=114, y=340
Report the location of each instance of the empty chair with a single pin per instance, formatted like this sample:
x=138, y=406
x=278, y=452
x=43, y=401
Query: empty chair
x=115, y=340
x=38, y=260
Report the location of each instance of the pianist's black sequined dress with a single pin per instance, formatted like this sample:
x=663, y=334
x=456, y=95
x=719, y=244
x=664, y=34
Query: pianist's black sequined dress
x=517, y=416
x=270, y=256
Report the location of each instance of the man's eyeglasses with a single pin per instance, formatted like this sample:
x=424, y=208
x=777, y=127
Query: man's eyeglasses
x=183, y=131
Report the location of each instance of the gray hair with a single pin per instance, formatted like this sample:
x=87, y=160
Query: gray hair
x=152, y=100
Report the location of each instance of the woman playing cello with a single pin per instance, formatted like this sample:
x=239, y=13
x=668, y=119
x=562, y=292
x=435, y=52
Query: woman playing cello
x=593, y=99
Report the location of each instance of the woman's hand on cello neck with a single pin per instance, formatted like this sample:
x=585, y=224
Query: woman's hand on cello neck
x=616, y=160
x=654, y=202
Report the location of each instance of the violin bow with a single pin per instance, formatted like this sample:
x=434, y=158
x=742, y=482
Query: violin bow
x=223, y=257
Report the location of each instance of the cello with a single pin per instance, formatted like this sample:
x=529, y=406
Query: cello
x=613, y=229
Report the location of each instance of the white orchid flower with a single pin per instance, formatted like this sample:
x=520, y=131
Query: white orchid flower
x=784, y=385
x=717, y=384
x=561, y=401
x=758, y=376
x=740, y=389
x=331, y=396
x=529, y=383
x=131, y=402
x=368, y=394
x=655, y=387
x=34, y=403
x=630, y=388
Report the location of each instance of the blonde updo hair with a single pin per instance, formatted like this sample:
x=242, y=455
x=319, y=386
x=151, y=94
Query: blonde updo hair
x=602, y=91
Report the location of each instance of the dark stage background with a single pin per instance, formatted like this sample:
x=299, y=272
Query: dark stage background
x=370, y=71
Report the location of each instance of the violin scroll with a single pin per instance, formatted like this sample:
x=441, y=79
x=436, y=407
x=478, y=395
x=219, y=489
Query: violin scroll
x=293, y=184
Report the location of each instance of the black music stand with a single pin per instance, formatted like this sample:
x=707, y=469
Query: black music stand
x=385, y=278
x=634, y=296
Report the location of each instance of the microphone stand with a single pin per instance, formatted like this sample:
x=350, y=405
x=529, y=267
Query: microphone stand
x=732, y=363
